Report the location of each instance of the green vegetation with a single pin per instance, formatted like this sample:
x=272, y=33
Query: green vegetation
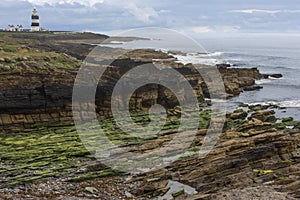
x=178, y=193
x=263, y=172
x=20, y=54
x=230, y=123
x=39, y=154
x=48, y=150
x=288, y=161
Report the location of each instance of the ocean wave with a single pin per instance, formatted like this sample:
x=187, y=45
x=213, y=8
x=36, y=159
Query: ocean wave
x=116, y=42
x=212, y=54
x=281, y=104
x=263, y=81
x=195, y=60
x=162, y=50
x=200, y=58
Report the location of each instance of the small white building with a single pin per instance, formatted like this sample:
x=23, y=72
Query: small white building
x=19, y=28
x=10, y=28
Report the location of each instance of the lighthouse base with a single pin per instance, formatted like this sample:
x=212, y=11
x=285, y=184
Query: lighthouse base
x=35, y=29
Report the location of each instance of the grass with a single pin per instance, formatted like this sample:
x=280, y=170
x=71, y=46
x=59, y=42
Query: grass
x=17, y=49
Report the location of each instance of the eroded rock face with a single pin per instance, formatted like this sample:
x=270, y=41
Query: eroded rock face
x=37, y=96
x=254, y=153
x=250, y=154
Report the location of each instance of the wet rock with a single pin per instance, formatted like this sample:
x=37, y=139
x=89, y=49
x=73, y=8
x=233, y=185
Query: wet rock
x=252, y=88
x=254, y=193
x=152, y=189
x=264, y=116
x=238, y=114
x=258, y=107
x=223, y=66
x=246, y=155
x=276, y=75
x=265, y=76
x=287, y=119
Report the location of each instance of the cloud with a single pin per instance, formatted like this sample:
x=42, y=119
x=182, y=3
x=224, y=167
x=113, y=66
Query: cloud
x=141, y=12
x=59, y=2
x=201, y=29
x=164, y=11
x=214, y=29
x=291, y=11
x=228, y=29
x=144, y=14
x=196, y=17
x=253, y=11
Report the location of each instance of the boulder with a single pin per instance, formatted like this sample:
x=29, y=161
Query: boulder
x=223, y=66
x=8, y=60
x=24, y=65
x=23, y=50
x=287, y=119
x=5, y=68
x=264, y=116
x=252, y=88
x=276, y=75
x=239, y=114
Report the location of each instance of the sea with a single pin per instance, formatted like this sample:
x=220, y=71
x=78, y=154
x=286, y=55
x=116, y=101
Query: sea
x=271, y=53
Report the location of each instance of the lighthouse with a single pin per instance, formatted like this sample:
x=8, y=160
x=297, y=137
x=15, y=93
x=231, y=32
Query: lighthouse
x=35, y=21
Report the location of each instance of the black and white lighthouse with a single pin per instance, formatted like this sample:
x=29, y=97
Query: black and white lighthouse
x=35, y=21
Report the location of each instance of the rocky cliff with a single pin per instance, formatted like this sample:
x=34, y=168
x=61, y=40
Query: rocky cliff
x=42, y=156
x=37, y=87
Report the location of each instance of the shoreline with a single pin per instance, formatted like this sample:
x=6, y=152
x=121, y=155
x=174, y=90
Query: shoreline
x=43, y=156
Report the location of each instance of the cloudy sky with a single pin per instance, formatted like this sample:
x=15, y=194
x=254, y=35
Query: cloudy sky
x=195, y=16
